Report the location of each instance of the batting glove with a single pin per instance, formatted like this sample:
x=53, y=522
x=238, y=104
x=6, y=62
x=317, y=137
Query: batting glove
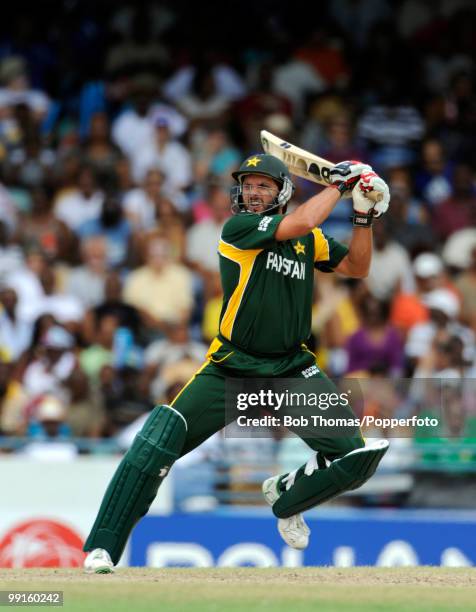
x=286, y=192
x=344, y=175
x=365, y=209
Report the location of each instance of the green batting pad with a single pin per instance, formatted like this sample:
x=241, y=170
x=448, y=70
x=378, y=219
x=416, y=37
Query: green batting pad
x=344, y=474
x=137, y=479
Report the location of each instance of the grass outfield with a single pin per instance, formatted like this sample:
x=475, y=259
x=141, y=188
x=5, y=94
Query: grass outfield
x=248, y=589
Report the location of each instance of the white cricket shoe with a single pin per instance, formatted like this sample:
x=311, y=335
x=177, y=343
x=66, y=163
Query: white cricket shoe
x=98, y=561
x=293, y=530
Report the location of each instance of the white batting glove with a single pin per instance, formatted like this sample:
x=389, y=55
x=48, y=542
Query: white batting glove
x=344, y=175
x=370, y=181
x=365, y=209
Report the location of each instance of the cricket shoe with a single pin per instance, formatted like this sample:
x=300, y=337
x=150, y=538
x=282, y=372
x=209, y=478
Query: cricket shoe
x=98, y=561
x=293, y=529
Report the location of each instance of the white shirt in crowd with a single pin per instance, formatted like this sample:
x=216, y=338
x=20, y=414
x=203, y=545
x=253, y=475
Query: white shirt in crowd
x=15, y=335
x=202, y=243
x=85, y=285
x=390, y=267
x=174, y=160
x=228, y=83
x=39, y=378
x=139, y=209
x=130, y=132
x=74, y=208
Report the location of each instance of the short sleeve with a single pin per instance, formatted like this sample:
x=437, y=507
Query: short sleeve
x=328, y=253
x=251, y=231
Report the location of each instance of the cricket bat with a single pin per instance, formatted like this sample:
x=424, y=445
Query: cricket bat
x=302, y=163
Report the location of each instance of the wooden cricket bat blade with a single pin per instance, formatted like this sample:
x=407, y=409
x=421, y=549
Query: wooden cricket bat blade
x=303, y=163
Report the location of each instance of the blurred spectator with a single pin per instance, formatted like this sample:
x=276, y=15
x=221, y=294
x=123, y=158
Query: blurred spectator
x=444, y=359
x=125, y=396
x=408, y=308
x=429, y=271
x=11, y=254
x=67, y=309
x=53, y=365
x=15, y=331
x=458, y=248
x=174, y=346
x=99, y=152
x=390, y=269
x=212, y=307
x=261, y=101
x=336, y=313
x=466, y=285
x=83, y=203
x=177, y=349
x=203, y=237
x=335, y=317
x=40, y=326
x=459, y=210
x=203, y=103
x=323, y=110
x=227, y=82
x=391, y=131
x=100, y=353
x=113, y=305
x=444, y=309
x=167, y=154
x=214, y=157
x=376, y=342
x=140, y=203
x=41, y=227
x=326, y=57
x=163, y=290
x=150, y=211
x=16, y=88
x=49, y=433
x=86, y=282
x=433, y=181
x=296, y=79
x=8, y=209
x=133, y=128
x=169, y=222
x=113, y=227
x=408, y=217
x=123, y=175
x=85, y=415
x=30, y=164
x=339, y=141
x=12, y=401
x=25, y=281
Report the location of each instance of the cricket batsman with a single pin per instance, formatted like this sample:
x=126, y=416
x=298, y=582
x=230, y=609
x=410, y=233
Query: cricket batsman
x=267, y=262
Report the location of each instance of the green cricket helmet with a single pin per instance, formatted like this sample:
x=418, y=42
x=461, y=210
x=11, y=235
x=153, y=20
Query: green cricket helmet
x=267, y=165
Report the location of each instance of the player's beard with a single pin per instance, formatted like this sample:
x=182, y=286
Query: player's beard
x=256, y=205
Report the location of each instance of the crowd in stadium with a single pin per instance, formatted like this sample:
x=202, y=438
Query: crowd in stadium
x=119, y=128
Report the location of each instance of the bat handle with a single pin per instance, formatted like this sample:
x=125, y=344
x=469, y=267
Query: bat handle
x=374, y=195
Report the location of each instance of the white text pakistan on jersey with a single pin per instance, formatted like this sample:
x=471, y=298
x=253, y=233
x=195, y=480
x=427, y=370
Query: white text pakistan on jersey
x=287, y=267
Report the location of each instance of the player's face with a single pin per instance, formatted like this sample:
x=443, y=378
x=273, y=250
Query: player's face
x=258, y=192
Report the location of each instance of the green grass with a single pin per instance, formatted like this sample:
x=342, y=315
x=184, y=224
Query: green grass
x=251, y=589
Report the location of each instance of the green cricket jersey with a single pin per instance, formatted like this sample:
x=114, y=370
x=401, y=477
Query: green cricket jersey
x=268, y=285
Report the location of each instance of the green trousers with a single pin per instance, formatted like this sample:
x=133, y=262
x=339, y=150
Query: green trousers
x=198, y=412
x=202, y=399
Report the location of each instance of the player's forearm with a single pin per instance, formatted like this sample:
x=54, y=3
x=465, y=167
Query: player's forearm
x=360, y=252
x=309, y=215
